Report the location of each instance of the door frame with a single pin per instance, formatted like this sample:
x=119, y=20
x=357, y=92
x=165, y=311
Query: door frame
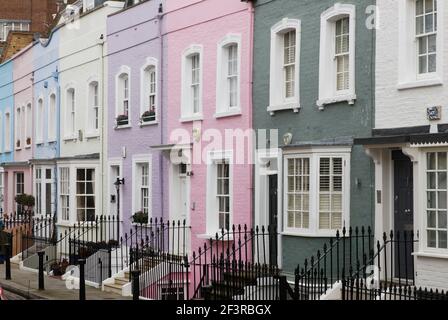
x=114, y=162
x=261, y=197
x=174, y=180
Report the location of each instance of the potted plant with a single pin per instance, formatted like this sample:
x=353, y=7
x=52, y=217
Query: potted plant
x=149, y=115
x=140, y=217
x=122, y=119
x=28, y=140
x=25, y=200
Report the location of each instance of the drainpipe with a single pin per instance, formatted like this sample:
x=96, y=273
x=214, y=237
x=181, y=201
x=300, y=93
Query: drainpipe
x=160, y=113
x=56, y=148
x=102, y=140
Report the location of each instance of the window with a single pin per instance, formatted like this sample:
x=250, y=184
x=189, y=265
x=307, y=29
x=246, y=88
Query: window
x=70, y=113
x=298, y=193
x=18, y=128
x=123, y=100
x=317, y=206
x=52, y=118
x=93, y=107
x=141, y=173
x=29, y=124
x=64, y=188
x=148, y=108
x=337, y=55
x=436, y=193
x=192, y=84
x=85, y=194
x=38, y=184
x=419, y=49
x=223, y=195
x=5, y=27
x=39, y=121
x=426, y=35
x=7, y=132
x=20, y=189
x=228, y=76
x=284, y=66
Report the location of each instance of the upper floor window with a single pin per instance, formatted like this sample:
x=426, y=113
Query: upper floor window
x=70, y=113
x=148, y=105
x=18, y=128
x=192, y=83
x=93, y=113
x=5, y=27
x=284, y=66
x=39, y=121
x=337, y=55
x=29, y=124
x=52, y=118
x=228, y=76
x=426, y=34
x=123, y=101
x=419, y=47
x=7, y=146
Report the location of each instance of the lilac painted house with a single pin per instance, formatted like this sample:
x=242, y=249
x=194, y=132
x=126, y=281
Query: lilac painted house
x=134, y=108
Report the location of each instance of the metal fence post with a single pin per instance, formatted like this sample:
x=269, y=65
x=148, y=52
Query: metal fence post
x=41, y=269
x=8, y=258
x=82, y=280
x=283, y=284
x=135, y=284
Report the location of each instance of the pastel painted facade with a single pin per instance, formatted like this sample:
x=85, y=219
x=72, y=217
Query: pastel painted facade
x=18, y=177
x=408, y=142
x=82, y=48
x=317, y=113
x=134, y=56
x=6, y=125
x=207, y=89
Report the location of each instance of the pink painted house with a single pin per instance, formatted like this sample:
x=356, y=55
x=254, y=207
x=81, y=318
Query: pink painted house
x=18, y=173
x=207, y=114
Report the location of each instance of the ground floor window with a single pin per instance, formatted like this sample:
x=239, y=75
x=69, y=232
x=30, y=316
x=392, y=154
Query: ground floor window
x=64, y=191
x=142, y=184
x=19, y=188
x=85, y=194
x=436, y=196
x=316, y=192
x=44, y=190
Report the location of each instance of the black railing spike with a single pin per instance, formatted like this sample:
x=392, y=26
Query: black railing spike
x=350, y=231
x=391, y=235
x=384, y=236
x=337, y=234
x=362, y=230
x=356, y=230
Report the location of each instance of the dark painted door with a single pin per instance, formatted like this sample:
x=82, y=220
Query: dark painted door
x=273, y=219
x=403, y=214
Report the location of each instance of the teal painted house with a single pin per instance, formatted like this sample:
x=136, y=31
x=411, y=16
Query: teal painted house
x=314, y=84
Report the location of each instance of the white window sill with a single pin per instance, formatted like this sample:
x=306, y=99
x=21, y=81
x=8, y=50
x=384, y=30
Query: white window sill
x=349, y=98
x=148, y=123
x=27, y=146
x=198, y=117
x=18, y=149
x=92, y=135
x=66, y=224
x=420, y=84
x=284, y=106
x=7, y=150
x=228, y=113
x=438, y=255
x=208, y=236
x=38, y=142
x=125, y=126
x=52, y=140
x=67, y=139
x=320, y=234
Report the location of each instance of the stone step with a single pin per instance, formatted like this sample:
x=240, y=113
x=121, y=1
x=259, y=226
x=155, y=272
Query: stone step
x=121, y=281
x=114, y=288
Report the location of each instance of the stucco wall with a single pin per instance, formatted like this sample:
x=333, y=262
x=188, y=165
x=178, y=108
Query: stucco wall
x=6, y=103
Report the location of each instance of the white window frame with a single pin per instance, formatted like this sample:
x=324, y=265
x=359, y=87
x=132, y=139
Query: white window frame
x=68, y=194
x=70, y=135
x=119, y=95
x=187, y=113
x=314, y=154
x=223, y=108
x=137, y=161
x=18, y=128
x=212, y=205
x=92, y=109
x=8, y=119
x=144, y=88
x=424, y=236
x=408, y=75
x=42, y=181
x=40, y=111
x=277, y=99
x=95, y=194
x=52, y=115
x=328, y=92
x=29, y=124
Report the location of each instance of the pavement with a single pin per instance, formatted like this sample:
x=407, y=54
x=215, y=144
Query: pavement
x=25, y=284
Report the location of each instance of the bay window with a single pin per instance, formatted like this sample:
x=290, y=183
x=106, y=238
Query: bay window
x=317, y=191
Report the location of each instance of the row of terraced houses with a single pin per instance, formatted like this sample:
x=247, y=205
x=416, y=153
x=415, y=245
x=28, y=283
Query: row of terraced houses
x=310, y=116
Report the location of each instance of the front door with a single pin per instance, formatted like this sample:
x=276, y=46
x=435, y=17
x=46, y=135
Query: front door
x=403, y=214
x=273, y=219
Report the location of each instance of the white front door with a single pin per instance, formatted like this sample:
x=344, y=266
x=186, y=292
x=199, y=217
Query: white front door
x=179, y=207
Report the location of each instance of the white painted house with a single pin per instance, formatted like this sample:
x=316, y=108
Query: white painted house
x=409, y=144
x=82, y=73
